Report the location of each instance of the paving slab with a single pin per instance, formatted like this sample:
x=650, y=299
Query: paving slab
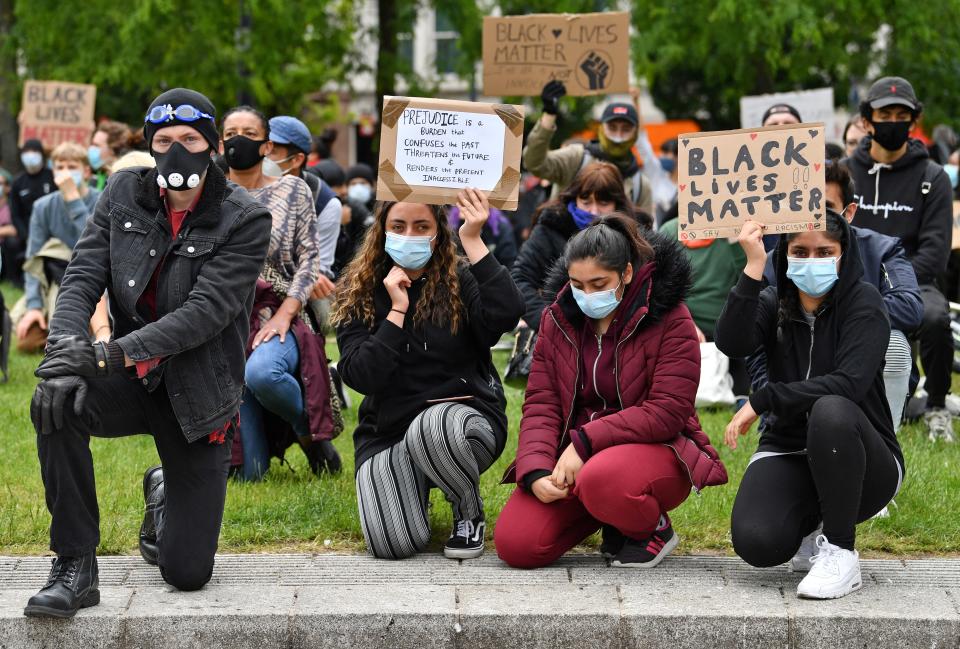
x=336, y=600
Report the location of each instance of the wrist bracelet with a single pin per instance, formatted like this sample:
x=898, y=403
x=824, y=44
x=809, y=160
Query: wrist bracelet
x=399, y=311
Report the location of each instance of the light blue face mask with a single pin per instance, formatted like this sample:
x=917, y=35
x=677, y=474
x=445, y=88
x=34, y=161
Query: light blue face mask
x=599, y=304
x=953, y=173
x=815, y=277
x=409, y=253
x=93, y=155
x=31, y=159
x=77, y=177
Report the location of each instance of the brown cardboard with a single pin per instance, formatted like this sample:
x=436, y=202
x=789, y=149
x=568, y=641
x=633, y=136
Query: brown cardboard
x=956, y=225
x=431, y=149
x=784, y=188
x=590, y=53
x=57, y=111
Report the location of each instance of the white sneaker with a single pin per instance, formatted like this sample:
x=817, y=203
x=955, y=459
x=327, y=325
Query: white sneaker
x=807, y=551
x=835, y=572
x=939, y=424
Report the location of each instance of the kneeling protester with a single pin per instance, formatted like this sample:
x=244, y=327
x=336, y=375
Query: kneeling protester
x=610, y=436
x=415, y=324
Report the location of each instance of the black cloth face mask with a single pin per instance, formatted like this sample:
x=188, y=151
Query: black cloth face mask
x=891, y=135
x=179, y=170
x=241, y=152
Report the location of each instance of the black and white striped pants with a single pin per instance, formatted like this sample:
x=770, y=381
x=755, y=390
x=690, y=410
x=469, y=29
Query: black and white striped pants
x=448, y=446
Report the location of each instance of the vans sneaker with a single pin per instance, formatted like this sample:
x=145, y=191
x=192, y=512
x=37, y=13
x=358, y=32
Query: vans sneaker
x=835, y=572
x=808, y=549
x=466, y=540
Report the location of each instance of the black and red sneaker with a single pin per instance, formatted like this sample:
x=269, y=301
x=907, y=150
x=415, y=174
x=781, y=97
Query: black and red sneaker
x=647, y=553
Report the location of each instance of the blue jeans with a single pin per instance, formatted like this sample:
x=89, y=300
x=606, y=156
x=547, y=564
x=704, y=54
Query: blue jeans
x=271, y=384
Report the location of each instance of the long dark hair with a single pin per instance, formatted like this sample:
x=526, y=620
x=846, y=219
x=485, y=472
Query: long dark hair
x=600, y=179
x=613, y=241
x=440, y=302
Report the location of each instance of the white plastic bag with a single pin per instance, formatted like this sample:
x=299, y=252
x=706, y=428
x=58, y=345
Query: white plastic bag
x=716, y=384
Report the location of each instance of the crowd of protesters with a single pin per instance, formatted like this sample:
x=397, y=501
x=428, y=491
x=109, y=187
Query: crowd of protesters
x=182, y=278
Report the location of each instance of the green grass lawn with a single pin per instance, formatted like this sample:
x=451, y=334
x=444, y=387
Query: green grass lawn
x=291, y=510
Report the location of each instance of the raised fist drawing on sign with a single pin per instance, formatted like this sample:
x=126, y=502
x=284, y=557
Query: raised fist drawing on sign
x=596, y=69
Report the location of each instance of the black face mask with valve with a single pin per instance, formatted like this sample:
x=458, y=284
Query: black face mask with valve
x=178, y=169
x=241, y=152
x=891, y=135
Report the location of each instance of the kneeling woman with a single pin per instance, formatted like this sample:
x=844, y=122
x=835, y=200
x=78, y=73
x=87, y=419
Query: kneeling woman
x=415, y=325
x=609, y=434
x=828, y=454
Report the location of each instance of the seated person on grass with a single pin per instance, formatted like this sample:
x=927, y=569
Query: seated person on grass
x=828, y=458
x=609, y=435
x=415, y=323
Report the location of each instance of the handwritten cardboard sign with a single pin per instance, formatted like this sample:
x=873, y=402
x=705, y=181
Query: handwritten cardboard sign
x=57, y=111
x=431, y=149
x=956, y=225
x=773, y=175
x=590, y=53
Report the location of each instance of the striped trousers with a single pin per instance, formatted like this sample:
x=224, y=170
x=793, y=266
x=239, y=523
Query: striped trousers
x=448, y=445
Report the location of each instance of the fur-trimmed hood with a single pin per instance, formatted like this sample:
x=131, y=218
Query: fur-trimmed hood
x=657, y=287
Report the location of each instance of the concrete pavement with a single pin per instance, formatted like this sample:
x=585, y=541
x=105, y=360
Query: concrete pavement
x=286, y=601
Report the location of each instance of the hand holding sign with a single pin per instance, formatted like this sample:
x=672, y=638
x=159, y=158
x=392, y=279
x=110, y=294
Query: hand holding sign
x=751, y=240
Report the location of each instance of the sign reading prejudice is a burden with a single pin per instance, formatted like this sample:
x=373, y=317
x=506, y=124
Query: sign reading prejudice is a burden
x=772, y=175
x=590, y=53
x=431, y=149
x=57, y=111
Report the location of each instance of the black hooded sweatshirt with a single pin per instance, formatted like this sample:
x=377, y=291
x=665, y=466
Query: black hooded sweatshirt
x=906, y=200
x=401, y=370
x=842, y=353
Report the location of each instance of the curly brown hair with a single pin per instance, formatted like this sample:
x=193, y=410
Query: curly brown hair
x=439, y=303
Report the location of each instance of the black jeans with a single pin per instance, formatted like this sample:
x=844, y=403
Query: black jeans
x=195, y=478
x=847, y=476
x=936, y=345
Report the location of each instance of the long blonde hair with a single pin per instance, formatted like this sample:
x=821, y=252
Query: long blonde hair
x=439, y=303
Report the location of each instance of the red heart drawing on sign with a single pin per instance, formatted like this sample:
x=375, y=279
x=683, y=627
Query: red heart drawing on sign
x=753, y=136
x=816, y=166
x=682, y=187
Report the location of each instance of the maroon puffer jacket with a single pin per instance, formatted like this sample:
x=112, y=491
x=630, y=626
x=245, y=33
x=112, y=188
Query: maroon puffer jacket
x=657, y=372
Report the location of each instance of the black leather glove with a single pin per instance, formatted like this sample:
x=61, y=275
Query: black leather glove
x=551, y=95
x=76, y=356
x=46, y=407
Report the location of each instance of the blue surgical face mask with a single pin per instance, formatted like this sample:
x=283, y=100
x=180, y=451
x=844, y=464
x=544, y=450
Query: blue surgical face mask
x=409, y=253
x=953, y=173
x=581, y=218
x=668, y=164
x=599, y=304
x=77, y=177
x=360, y=192
x=31, y=159
x=93, y=155
x=815, y=277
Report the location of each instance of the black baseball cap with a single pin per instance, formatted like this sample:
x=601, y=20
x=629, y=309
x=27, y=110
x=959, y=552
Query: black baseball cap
x=777, y=109
x=622, y=111
x=893, y=91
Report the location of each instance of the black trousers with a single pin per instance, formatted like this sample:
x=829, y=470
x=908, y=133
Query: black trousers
x=847, y=476
x=195, y=478
x=936, y=345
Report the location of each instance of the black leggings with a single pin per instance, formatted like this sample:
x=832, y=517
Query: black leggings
x=847, y=476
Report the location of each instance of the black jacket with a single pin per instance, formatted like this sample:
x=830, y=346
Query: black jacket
x=204, y=290
x=906, y=200
x=399, y=370
x=841, y=354
x=537, y=256
x=25, y=190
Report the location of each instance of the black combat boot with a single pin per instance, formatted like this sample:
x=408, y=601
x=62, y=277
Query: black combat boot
x=153, y=514
x=73, y=584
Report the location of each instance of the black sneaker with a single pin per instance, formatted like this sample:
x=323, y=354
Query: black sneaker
x=153, y=514
x=74, y=583
x=466, y=540
x=322, y=456
x=648, y=552
x=612, y=541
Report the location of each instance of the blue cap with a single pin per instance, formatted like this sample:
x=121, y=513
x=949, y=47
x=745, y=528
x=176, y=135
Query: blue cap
x=288, y=130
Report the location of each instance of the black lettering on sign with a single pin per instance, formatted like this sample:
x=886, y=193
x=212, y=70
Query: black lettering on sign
x=706, y=209
x=695, y=166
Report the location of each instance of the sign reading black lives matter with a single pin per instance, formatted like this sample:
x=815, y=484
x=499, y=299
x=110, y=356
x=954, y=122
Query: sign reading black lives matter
x=772, y=175
x=431, y=149
x=590, y=53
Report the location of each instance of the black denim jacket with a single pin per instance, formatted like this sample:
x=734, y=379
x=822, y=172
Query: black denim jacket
x=204, y=290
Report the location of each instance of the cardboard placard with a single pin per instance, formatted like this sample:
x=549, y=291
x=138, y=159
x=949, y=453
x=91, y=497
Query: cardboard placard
x=772, y=175
x=57, y=111
x=813, y=105
x=956, y=225
x=590, y=53
x=431, y=149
